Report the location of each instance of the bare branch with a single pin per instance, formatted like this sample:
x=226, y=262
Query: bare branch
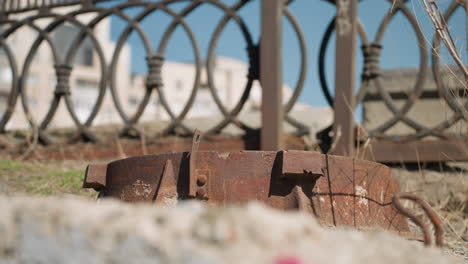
x=432, y=9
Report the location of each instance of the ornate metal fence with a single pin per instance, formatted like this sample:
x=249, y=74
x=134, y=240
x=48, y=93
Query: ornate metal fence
x=422, y=139
x=17, y=6
x=155, y=57
x=423, y=142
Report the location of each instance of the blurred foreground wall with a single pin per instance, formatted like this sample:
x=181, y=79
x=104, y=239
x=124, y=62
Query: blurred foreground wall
x=51, y=230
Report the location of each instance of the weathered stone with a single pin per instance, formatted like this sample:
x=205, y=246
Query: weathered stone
x=51, y=230
x=400, y=85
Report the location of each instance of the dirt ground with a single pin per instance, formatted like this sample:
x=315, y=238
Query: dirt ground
x=444, y=186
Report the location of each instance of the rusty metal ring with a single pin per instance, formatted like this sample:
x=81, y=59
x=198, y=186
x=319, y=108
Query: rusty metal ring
x=435, y=220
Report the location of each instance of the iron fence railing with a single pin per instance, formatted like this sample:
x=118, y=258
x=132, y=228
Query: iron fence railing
x=17, y=6
x=155, y=58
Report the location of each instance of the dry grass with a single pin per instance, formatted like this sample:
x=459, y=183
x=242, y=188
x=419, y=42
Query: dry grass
x=446, y=190
x=444, y=187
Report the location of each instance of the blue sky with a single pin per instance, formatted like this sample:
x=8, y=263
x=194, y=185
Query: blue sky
x=400, y=45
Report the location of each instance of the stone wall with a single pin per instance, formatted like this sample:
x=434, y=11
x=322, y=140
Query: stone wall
x=65, y=231
x=430, y=109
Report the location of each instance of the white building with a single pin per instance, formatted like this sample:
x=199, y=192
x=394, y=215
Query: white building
x=229, y=81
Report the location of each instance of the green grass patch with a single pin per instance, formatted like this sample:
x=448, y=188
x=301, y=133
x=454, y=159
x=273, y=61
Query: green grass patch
x=42, y=179
x=12, y=166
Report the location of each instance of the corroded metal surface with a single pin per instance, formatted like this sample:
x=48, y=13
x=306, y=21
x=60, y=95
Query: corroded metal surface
x=431, y=214
x=339, y=191
x=95, y=177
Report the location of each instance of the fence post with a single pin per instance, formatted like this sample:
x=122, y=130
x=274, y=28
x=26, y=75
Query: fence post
x=345, y=69
x=271, y=77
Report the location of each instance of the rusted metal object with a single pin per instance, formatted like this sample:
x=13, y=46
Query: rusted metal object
x=95, y=177
x=435, y=220
x=197, y=177
x=339, y=191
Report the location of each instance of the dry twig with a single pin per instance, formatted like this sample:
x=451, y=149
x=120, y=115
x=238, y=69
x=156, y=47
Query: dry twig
x=432, y=9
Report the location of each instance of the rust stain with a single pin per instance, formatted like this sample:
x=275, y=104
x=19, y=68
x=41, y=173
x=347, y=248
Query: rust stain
x=139, y=191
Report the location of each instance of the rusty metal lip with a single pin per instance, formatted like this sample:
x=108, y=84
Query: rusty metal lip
x=320, y=184
x=320, y=169
x=220, y=154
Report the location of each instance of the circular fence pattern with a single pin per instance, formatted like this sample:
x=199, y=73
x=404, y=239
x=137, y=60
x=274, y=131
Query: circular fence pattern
x=155, y=55
x=155, y=58
x=371, y=51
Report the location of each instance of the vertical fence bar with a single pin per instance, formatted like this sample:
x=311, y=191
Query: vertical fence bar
x=271, y=75
x=345, y=68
